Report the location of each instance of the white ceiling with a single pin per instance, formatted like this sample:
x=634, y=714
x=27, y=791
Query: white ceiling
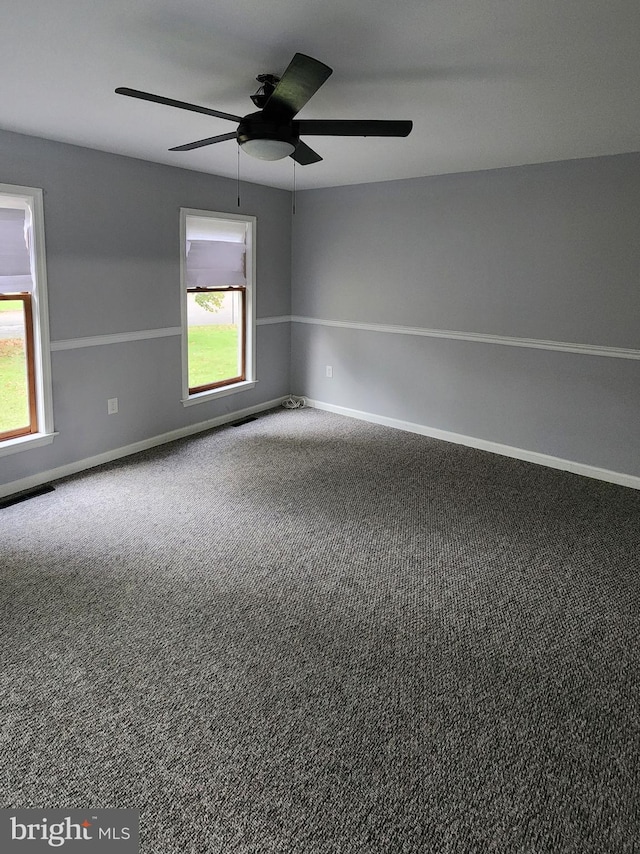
x=487, y=83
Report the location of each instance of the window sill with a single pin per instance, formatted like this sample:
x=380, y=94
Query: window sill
x=212, y=394
x=25, y=443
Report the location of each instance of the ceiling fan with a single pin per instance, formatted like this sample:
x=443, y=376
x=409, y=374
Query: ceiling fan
x=273, y=133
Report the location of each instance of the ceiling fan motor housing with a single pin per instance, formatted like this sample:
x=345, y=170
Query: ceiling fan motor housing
x=268, y=83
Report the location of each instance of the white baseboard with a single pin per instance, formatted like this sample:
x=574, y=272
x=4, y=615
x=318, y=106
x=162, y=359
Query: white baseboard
x=619, y=478
x=107, y=457
x=38, y=479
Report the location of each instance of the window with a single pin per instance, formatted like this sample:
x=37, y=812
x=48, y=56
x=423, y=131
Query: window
x=25, y=375
x=18, y=415
x=217, y=304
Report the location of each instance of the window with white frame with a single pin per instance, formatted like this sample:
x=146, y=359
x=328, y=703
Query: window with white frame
x=25, y=373
x=218, y=322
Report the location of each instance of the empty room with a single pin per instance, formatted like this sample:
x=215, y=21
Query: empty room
x=319, y=446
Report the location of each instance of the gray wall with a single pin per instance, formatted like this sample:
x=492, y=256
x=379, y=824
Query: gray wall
x=548, y=252
x=112, y=244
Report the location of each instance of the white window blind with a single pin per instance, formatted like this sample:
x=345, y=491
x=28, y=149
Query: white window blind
x=15, y=255
x=216, y=252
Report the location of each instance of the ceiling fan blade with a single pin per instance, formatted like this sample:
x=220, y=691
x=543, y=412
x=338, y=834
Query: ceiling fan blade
x=301, y=79
x=182, y=105
x=305, y=155
x=210, y=140
x=351, y=127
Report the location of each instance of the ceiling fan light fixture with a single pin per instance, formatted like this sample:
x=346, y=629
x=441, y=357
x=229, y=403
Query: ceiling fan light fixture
x=268, y=149
x=266, y=138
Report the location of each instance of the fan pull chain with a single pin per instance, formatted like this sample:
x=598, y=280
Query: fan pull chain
x=238, y=179
x=294, y=189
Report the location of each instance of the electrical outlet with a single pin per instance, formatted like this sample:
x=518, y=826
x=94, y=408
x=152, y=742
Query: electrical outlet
x=112, y=406
x=329, y=371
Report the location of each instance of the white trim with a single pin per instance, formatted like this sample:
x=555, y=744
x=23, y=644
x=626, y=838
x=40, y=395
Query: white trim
x=251, y=346
x=184, y=342
x=264, y=321
x=41, y=318
x=532, y=343
x=115, y=338
x=25, y=443
x=140, y=335
x=136, y=447
x=619, y=478
x=213, y=393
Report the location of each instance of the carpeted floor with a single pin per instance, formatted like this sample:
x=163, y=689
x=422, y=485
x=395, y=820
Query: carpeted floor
x=309, y=634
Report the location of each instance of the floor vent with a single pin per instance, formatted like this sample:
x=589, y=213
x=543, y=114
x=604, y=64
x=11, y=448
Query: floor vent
x=243, y=421
x=25, y=495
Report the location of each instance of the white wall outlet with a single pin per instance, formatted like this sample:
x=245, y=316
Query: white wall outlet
x=329, y=371
x=112, y=406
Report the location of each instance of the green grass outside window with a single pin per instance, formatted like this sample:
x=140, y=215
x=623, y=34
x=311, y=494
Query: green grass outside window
x=213, y=354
